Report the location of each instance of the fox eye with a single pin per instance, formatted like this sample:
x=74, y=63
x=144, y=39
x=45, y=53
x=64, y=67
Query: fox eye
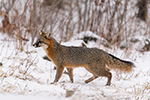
x=40, y=41
x=45, y=37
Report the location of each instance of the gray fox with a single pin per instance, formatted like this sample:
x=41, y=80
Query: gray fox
x=92, y=59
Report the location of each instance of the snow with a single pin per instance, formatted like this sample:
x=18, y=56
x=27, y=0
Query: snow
x=91, y=44
x=73, y=43
x=25, y=75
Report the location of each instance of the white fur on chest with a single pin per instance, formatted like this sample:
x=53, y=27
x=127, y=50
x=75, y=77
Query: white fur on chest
x=44, y=46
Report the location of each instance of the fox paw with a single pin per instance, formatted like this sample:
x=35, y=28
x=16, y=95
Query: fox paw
x=108, y=84
x=55, y=83
x=86, y=81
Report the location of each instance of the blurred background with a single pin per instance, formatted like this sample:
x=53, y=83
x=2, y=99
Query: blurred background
x=113, y=20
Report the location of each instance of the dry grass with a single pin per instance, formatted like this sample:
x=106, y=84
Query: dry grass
x=111, y=21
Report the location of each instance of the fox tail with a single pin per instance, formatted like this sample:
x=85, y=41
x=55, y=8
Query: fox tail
x=118, y=64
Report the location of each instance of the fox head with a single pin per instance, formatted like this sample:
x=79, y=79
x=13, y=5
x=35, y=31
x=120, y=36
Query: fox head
x=43, y=40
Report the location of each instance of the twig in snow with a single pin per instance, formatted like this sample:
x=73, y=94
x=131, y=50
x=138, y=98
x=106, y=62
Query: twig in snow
x=30, y=65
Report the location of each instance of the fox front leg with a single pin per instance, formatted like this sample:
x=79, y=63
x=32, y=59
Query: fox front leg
x=70, y=72
x=58, y=74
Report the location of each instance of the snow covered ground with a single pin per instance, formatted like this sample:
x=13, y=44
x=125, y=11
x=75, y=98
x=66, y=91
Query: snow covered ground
x=26, y=75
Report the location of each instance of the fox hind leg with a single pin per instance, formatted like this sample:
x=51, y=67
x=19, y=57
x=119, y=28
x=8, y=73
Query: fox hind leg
x=99, y=71
x=105, y=73
x=109, y=76
x=91, y=79
x=70, y=72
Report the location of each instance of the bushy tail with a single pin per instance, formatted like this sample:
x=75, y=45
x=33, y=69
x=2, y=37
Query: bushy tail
x=116, y=63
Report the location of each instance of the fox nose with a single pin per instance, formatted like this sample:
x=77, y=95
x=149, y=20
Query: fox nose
x=34, y=45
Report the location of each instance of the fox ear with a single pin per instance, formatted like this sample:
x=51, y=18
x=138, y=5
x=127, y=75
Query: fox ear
x=48, y=34
x=41, y=32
